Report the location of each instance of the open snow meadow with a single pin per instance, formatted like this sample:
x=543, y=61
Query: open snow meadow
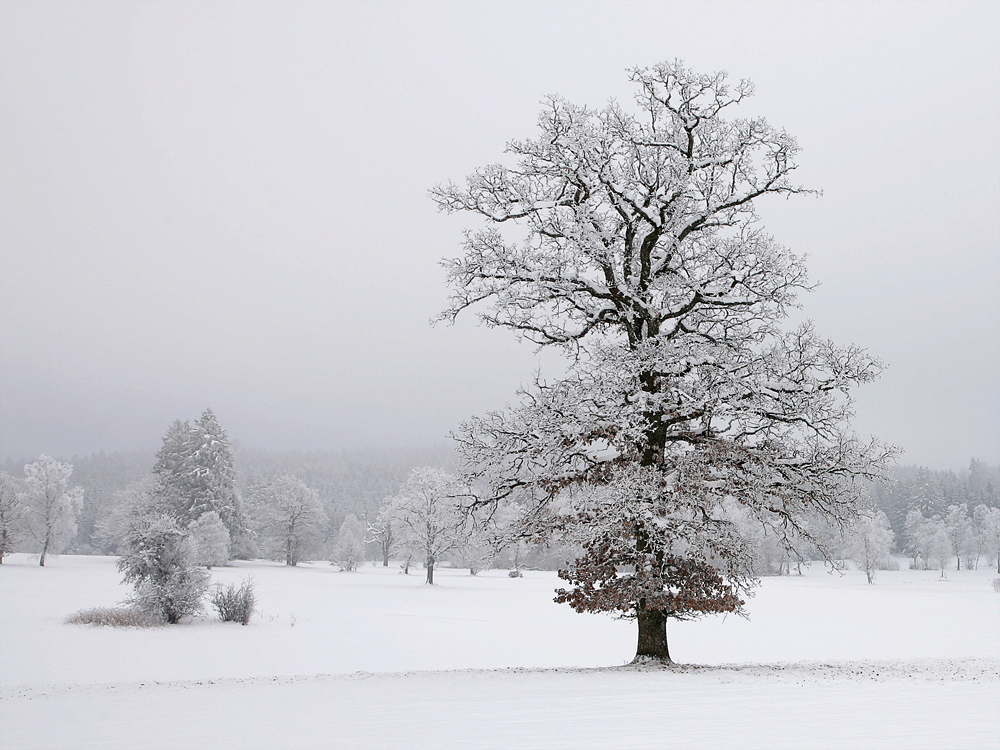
x=377, y=659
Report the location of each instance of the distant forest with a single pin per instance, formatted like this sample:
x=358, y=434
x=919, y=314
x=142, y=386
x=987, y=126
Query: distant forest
x=349, y=482
x=358, y=482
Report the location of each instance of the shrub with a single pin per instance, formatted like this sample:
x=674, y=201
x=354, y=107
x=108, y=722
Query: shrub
x=158, y=559
x=996, y=584
x=115, y=617
x=235, y=603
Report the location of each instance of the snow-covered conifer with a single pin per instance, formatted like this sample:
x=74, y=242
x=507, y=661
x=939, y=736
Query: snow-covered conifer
x=196, y=473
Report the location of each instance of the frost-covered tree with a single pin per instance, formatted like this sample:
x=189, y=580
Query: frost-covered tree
x=961, y=534
x=869, y=543
x=211, y=539
x=292, y=519
x=428, y=513
x=380, y=532
x=939, y=546
x=988, y=530
x=51, y=505
x=196, y=473
x=12, y=514
x=349, y=547
x=159, y=558
x=643, y=258
x=917, y=537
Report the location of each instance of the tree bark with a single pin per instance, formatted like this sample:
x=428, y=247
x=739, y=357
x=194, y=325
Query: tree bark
x=430, y=571
x=652, y=642
x=45, y=548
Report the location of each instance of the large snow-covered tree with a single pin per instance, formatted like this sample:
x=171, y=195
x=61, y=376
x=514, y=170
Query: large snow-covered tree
x=427, y=515
x=51, y=505
x=196, y=473
x=639, y=252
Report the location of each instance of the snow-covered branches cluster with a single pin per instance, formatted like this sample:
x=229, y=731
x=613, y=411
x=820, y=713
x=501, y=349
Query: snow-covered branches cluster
x=645, y=260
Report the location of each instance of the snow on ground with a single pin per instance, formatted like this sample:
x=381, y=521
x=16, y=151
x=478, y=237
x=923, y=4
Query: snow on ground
x=376, y=659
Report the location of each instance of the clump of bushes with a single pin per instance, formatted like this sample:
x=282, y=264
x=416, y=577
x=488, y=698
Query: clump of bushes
x=115, y=617
x=996, y=584
x=235, y=603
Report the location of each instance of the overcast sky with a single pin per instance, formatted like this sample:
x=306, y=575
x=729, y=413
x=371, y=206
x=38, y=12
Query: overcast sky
x=225, y=205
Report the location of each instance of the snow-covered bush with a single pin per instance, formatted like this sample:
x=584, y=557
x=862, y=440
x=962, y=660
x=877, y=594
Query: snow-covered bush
x=115, y=617
x=158, y=558
x=235, y=603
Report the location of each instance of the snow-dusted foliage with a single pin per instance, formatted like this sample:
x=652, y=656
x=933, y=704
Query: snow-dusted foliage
x=645, y=261
x=869, y=543
x=159, y=558
x=51, y=505
x=428, y=514
x=291, y=521
x=12, y=514
x=211, y=539
x=196, y=473
x=349, y=547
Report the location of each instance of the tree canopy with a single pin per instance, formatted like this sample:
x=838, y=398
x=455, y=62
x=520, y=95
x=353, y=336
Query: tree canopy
x=644, y=259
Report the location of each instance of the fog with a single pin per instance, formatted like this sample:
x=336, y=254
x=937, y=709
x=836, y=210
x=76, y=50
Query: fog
x=225, y=205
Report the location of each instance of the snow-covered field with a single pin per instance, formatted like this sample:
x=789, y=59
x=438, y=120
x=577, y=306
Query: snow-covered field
x=376, y=659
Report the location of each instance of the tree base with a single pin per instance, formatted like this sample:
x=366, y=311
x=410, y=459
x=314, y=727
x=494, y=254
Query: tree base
x=644, y=660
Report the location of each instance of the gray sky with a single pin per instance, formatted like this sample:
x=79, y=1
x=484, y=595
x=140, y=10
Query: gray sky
x=225, y=205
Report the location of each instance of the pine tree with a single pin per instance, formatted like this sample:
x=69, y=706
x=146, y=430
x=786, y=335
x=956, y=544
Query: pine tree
x=196, y=474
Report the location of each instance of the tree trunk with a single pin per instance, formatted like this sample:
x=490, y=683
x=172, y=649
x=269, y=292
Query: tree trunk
x=45, y=548
x=385, y=557
x=430, y=570
x=652, y=642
